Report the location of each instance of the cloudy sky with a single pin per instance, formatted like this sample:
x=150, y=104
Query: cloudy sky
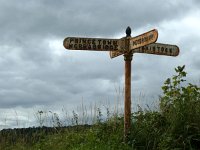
x=38, y=73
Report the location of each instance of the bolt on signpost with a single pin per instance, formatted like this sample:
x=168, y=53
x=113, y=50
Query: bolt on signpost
x=144, y=43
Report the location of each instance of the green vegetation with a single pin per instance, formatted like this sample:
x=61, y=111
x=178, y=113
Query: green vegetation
x=176, y=125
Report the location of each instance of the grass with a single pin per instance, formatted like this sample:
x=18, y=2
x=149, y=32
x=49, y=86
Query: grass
x=176, y=125
x=107, y=135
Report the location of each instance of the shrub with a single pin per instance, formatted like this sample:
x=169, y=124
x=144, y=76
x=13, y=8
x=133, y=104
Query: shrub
x=180, y=105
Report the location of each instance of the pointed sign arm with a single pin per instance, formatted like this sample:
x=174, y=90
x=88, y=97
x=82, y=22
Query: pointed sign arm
x=155, y=48
x=92, y=44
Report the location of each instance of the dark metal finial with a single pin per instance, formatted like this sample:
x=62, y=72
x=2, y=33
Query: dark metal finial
x=128, y=31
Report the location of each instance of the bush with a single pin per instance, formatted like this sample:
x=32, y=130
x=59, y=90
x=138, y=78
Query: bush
x=177, y=124
x=180, y=105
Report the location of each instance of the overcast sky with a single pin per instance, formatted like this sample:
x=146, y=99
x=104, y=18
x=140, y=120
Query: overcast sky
x=37, y=72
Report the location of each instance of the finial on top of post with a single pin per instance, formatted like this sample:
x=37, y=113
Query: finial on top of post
x=128, y=31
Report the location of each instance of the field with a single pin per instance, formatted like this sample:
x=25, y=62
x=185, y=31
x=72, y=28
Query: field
x=176, y=125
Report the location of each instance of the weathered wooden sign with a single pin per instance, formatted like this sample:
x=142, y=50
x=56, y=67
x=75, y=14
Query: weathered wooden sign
x=94, y=44
x=143, y=39
x=159, y=49
x=114, y=54
x=99, y=44
x=155, y=48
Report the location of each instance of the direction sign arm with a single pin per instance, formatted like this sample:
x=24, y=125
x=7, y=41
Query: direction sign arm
x=158, y=49
x=144, y=39
x=92, y=44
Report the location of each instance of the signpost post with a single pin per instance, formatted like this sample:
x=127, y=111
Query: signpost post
x=127, y=95
x=144, y=43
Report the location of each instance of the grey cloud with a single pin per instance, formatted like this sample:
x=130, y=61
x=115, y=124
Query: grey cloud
x=33, y=19
x=39, y=81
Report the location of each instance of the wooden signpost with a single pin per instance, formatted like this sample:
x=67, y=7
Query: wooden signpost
x=144, y=43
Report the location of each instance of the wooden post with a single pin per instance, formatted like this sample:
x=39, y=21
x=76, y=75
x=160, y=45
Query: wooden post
x=127, y=98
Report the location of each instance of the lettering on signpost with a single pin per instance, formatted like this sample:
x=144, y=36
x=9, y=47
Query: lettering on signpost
x=95, y=44
x=137, y=42
x=114, y=54
x=159, y=49
x=144, y=39
x=154, y=48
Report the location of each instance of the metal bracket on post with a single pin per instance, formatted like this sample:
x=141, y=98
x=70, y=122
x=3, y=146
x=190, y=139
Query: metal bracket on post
x=127, y=54
x=128, y=57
